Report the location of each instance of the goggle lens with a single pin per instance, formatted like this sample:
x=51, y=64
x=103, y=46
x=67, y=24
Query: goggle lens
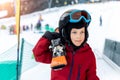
x=77, y=16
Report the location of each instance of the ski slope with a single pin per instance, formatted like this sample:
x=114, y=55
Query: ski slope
x=97, y=34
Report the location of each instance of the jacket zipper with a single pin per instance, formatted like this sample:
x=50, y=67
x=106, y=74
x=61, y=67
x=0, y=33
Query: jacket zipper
x=78, y=76
x=71, y=67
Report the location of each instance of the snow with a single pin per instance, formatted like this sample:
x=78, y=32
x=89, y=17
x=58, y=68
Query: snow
x=110, y=29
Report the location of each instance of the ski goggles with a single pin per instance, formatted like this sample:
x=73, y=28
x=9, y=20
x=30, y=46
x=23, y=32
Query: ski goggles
x=78, y=15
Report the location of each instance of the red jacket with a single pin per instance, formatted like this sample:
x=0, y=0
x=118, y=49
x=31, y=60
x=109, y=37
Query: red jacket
x=81, y=64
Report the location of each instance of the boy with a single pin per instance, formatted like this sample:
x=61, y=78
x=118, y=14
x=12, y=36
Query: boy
x=81, y=63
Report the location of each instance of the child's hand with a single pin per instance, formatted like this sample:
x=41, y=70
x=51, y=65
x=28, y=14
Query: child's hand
x=51, y=35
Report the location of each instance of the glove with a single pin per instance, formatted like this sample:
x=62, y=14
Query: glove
x=51, y=35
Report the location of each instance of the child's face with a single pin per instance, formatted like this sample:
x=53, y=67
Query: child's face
x=77, y=36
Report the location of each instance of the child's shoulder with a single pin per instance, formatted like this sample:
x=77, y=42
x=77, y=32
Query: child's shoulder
x=87, y=46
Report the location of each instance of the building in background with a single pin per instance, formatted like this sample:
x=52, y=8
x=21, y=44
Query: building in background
x=7, y=9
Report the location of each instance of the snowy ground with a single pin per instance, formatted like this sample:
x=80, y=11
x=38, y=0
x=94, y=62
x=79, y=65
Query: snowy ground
x=110, y=29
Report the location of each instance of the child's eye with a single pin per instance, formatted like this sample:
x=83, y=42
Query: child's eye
x=82, y=32
x=74, y=32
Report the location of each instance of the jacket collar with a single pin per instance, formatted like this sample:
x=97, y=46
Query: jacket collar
x=83, y=48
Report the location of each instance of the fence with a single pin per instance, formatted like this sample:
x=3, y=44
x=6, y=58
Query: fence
x=8, y=61
x=112, y=51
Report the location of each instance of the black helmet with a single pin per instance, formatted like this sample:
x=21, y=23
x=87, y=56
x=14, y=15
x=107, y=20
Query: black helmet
x=73, y=18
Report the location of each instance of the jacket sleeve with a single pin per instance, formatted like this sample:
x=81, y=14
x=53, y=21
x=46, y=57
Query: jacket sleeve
x=42, y=52
x=91, y=73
